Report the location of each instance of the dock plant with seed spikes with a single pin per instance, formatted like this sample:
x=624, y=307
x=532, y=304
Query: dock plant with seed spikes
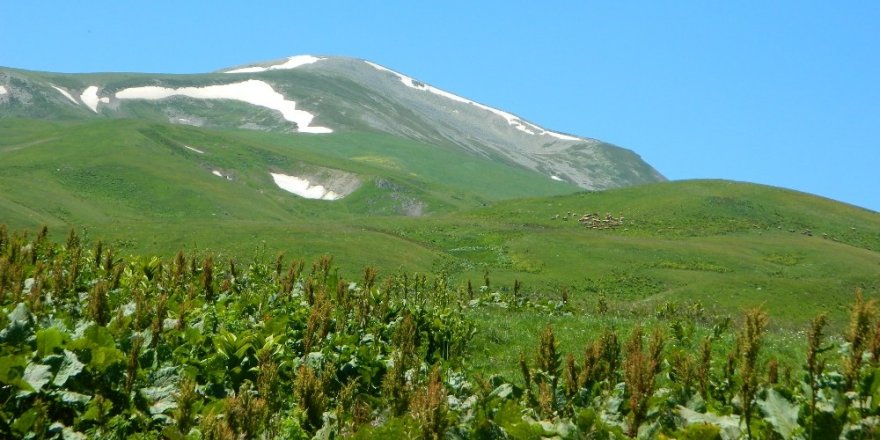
x=858, y=336
x=749, y=342
x=815, y=365
x=309, y=391
x=704, y=367
x=99, y=309
x=548, y=359
x=640, y=368
x=429, y=407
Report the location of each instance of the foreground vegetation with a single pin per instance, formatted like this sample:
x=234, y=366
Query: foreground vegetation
x=94, y=346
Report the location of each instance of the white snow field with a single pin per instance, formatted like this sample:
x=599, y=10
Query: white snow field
x=65, y=93
x=90, y=98
x=291, y=63
x=252, y=91
x=556, y=178
x=3, y=90
x=217, y=173
x=513, y=120
x=303, y=188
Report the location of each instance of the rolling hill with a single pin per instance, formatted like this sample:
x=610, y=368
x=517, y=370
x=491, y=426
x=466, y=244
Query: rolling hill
x=317, y=155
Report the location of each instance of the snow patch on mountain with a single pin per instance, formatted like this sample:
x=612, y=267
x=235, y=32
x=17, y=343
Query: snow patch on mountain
x=291, y=63
x=303, y=187
x=217, y=173
x=557, y=178
x=513, y=120
x=65, y=93
x=90, y=98
x=3, y=90
x=252, y=91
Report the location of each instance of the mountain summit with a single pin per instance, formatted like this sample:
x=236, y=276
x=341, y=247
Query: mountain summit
x=320, y=96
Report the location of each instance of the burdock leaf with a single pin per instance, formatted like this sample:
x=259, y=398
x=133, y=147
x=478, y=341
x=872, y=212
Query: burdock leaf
x=48, y=340
x=71, y=366
x=729, y=425
x=781, y=413
x=37, y=376
x=161, y=394
x=16, y=331
x=12, y=370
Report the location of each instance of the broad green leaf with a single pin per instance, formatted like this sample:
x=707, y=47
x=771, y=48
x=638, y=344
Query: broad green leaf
x=69, y=434
x=20, y=315
x=161, y=394
x=72, y=397
x=12, y=369
x=71, y=366
x=49, y=340
x=511, y=420
x=16, y=332
x=729, y=425
x=781, y=413
x=97, y=407
x=99, y=337
x=104, y=357
x=503, y=391
x=102, y=346
x=875, y=389
x=37, y=376
x=23, y=424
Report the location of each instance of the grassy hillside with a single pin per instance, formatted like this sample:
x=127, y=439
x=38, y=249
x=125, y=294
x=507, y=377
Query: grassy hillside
x=726, y=244
x=716, y=246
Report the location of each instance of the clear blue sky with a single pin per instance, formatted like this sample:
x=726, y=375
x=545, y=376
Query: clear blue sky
x=785, y=93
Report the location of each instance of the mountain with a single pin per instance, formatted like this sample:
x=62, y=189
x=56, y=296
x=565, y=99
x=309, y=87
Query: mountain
x=318, y=156
x=321, y=96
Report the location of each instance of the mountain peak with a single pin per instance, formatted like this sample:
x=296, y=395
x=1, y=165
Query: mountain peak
x=289, y=63
x=320, y=95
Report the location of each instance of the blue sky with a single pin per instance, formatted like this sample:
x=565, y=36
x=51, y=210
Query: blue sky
x=784, y=93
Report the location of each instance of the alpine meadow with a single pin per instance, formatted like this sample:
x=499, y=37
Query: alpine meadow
x=323, y=247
